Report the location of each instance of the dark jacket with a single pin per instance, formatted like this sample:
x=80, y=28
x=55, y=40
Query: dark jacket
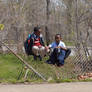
x=28, y=46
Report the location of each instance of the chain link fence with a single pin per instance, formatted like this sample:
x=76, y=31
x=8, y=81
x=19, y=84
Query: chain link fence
x=54, y=16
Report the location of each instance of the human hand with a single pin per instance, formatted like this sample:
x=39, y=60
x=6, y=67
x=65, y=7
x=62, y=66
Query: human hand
x=58, y=47
x=47, y=48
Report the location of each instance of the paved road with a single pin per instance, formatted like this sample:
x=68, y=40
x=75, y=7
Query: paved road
x=63, y=87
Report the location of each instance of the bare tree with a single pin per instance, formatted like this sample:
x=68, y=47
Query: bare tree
x=48, y=16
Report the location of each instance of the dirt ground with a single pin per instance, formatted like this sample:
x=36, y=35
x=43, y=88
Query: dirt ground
x=62, y=87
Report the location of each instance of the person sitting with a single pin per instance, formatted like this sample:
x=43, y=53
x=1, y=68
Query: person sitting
x=59, y=51
x=36, y=45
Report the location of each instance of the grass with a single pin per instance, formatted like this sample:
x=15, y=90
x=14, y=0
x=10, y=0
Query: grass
x=10, y=69
x=9, y=66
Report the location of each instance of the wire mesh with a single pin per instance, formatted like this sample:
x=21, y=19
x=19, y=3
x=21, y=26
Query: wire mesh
x=20, y=17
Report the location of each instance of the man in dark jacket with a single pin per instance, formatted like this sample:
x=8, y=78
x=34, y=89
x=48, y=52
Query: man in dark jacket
x=36, y=43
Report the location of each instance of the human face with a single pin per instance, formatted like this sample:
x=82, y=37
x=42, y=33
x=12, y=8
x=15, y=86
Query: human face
x=38, y=32
x=57, y=38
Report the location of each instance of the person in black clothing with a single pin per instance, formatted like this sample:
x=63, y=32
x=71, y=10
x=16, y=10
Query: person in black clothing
x=36, y=45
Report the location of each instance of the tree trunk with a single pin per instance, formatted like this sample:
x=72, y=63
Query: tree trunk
x=47, y=21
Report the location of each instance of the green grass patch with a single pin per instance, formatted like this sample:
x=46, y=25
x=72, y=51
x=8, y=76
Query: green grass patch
x=11, y=67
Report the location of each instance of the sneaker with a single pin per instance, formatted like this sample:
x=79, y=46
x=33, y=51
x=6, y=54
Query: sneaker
x=60, y=65
x=49, y=62
x=40, y=58
x=35, y=57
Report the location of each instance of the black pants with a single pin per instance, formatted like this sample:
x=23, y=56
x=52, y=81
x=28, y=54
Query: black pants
x=58, y=56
